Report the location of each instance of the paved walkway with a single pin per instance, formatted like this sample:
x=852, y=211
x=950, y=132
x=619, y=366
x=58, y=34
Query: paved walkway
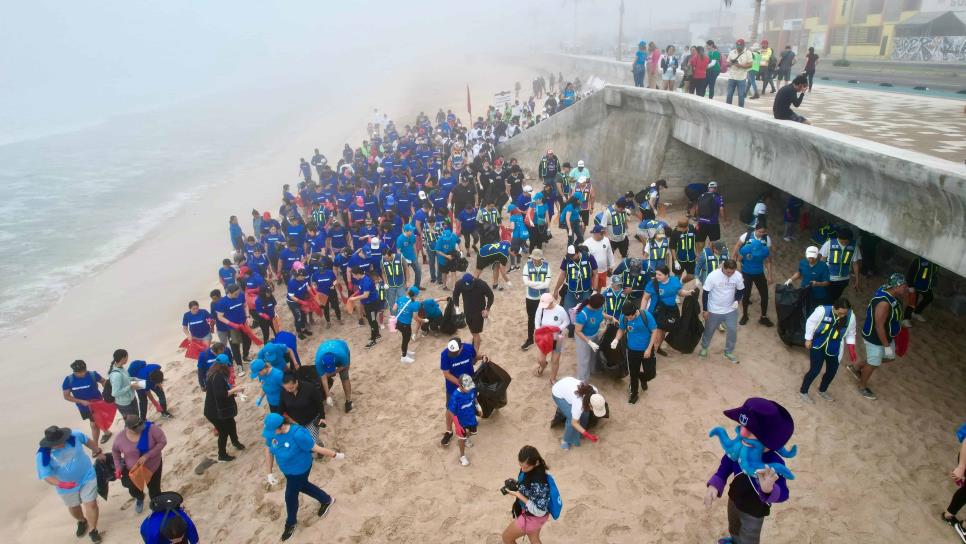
x=934, y=126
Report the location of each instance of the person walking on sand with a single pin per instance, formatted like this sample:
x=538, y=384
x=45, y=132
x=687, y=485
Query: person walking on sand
x=533, y=496
x=331, y=358
x=220, y=407
x=843, y=257
x=661, y=300
x=406, y=310
x=755, y=255
x=457, y=359
x=958, y=474
x=140, y=445
x=551, y=314
x=123, y=389
x=815, y=278
x=291, y=446
x=477, y=300
x=921, y=278
x=536, y=278
x=271, y=379
x=575, y=400
x=302, y=402
x=720, y=294
x=80, y=387
x=883, y=321
x=464, y=409
x=368, y=295
x=63, y=463
x=825, y=331
x=642, y=336
x=587, y=329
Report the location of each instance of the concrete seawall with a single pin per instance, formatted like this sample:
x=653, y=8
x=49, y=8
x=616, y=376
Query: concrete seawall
x=632, y=137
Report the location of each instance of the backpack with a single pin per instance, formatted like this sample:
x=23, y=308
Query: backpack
x=108, y=392
x=706, y=205
x=747, y=214
x=555, y=505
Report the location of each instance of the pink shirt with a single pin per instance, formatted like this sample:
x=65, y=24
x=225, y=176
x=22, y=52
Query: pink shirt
x=129, y=450
x=655, y=61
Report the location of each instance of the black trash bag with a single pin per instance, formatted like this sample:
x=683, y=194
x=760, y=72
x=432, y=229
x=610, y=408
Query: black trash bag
x=489, y=233
x=790, y=303
x=611, y=362
x=104, y=469
x=491, y=385
x=687, y=330
x=452, y=321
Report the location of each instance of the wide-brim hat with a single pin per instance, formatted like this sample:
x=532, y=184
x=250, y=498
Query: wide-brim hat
x=769, y=421
x=54, y=436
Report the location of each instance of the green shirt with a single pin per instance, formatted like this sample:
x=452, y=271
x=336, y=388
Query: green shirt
x=755, y=61
x=121, y=386
x=716, y=56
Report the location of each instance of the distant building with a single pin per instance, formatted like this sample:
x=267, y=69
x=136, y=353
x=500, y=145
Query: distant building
x=915, y=30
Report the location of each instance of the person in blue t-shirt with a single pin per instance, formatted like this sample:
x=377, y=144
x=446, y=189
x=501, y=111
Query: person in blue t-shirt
x=271, y=379
x=661, y=301
x=463, y=407
x=589, y=321
x=755, y=258
x=367, y=294
x=81, y=387
x=519, y=236
x=206, y=359
x=454, y=361
x=62, y=462
x=406, y=310
x=642, y=335
x=406, y=244
x=431, y=314
x=291, y=446
x=153, y=389
x=169, y=523
x=468, y=226
x=815, y=277
x=227, y=273
x=446, y=256
x=327, y=285
x=332, y=357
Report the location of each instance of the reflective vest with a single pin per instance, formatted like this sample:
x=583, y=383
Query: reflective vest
x=430, y=233
x=828, y=337
x=712, y=261
x=490, y=216
x=840, y=258
x=393, y=272
x=686, y=246
x=618, y=222
x=537, y=274
x=658, y=251
x=579, y=275
x=633, y=281
x=381, y=289
x=925, y=276
x=893, y=321
x=614, y=302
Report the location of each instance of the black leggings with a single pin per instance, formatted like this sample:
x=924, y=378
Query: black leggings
x=532, y=306
x=759, y=281
x=957, y=502
x=642, y=369
x=471, y=238
x=372, y=310
x=154, y=484
x=332, y=304
x=819, y=358
x=239, y=351
x=407, y=334
x=266, y=325
x=923, y=299
x=811, y=76
x=226, y=429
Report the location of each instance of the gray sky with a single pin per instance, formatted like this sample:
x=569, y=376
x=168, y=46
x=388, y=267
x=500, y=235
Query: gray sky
x=71, y=63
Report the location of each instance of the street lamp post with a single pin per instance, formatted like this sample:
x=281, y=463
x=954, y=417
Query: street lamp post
x=620, y=30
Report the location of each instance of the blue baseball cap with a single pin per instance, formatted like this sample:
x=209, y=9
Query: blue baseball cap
x=467, y=278
x=272, y=421
x=257, y=366
x=222, y=360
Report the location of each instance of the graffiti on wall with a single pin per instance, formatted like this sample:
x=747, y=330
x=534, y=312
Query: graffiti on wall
x=930, y=49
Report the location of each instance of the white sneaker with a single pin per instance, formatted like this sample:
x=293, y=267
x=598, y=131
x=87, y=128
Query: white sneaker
x=906, y=323
x=410, y=353
x=509, y=284
x=918, y=317
x=787, y=239
x=826, y=396
x=806, y=398
x=464, y=461
x=407, y=360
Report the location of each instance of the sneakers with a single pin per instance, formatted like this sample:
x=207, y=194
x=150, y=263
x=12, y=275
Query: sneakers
x=960, y=531
x=96, y=537
x=138, y=506
x=407, y=359
x=826, y=396
x=661, y=352
x=703, y=352
x=787, y=239
x=918, y=317
x=348, y=406
x=867, y=393
x=729, y=355
x=447, y=437
x=464, y=461
x=806, y=398
x=564, y=446
x=106, y=436
x=371, y=343
x=410, y=353
x=225, y=458
x=288, y=532
x=763, y=320
x=324, y=509
x=906, y=323
x=238, y=446
x=721, y=327
x=743, y=320
x=852, y=370
x=526, y=345
x=166, y=415
x=81, y=529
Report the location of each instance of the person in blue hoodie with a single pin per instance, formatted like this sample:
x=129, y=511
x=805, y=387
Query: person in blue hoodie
x=271, y=379
x=446, y=255
x=755, y=258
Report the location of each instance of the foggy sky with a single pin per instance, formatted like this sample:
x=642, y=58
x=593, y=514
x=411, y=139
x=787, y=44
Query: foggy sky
x=67, y=63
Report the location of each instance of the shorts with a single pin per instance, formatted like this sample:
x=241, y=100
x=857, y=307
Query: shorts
x=648, y=214
x=482, y=263
x=84, y=494
x=669, y=76
x=475, y=323
x=449, y=266
x=530, y=524
x=784, y=73
x=516, y=244
x=874, y=353
x=687, y=267
x=85, y=413
x=708, y=231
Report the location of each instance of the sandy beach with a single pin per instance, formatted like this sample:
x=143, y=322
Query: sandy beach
x=867, y=471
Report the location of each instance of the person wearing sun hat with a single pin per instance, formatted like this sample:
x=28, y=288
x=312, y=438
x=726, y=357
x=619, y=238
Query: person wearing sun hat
x=62, y=463
x=883, y=322
x=763, y=423
x=291, y=446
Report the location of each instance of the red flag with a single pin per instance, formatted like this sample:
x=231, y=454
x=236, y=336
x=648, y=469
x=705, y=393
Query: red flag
x=469, y=106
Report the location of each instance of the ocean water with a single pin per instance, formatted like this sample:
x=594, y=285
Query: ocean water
x=74, y=202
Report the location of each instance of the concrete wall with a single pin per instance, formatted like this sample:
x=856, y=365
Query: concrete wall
x=631, y=137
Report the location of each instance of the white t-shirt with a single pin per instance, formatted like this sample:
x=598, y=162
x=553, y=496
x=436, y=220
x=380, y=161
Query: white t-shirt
x=814, y=320
x=601, y=252
x=721, y=291
x=566, y=389
x=552, y=317
x=734, y=59
x=824, y=251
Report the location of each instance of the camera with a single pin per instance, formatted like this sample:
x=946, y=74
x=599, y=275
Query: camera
x=509, y=485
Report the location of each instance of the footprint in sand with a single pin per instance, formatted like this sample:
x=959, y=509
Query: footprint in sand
x=188, y=430
x=615, y=529
x=373, y=524
x=578, y=512
x=426, y=509
x=591, y=481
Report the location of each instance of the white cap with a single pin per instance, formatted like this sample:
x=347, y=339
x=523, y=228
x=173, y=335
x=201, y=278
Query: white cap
x=527, y=188
x=571, y=250
x=374, y=242
x=453, y=346
x=598, y=405
x=580, y=164
x=712, y=184
x=811, y=252
x=422, y=194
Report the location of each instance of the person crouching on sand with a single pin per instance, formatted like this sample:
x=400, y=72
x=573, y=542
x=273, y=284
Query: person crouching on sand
x=575, y=400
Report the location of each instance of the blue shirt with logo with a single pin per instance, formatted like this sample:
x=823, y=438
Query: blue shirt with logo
x=457, y=365
x=638, y=330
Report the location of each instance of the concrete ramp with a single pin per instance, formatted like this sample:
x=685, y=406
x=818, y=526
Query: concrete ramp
x=631, y=137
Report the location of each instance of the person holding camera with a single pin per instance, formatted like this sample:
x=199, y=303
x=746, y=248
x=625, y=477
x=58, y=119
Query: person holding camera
x=531, y=489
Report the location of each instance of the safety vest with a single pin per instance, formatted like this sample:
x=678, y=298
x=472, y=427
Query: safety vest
x=686, y=246
x=537, y=273
x=430, y=232
x=614, y=302
x=658, y=250
x=828, y=337
x=393, y=272
x=381, y=289
x=712, y=261
x=925, y=276
x=490, y=216
x=633, y=281
x=839, y=258
x=893, y=322
x=618, y=222
x=579, y=275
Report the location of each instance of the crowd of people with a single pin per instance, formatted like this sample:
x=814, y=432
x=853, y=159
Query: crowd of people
x=384, y=237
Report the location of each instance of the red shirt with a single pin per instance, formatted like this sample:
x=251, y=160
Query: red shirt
x=654, y=61
x=700, y=65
